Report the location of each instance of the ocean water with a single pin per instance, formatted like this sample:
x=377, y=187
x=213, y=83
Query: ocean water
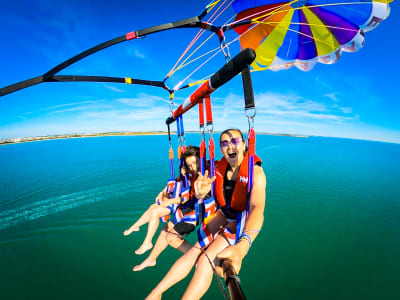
x=331, y=229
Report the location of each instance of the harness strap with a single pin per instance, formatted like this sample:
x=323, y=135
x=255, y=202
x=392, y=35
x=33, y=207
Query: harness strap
x=241, y=218
x=201, y=115
x=171, y=163
x=208, y=110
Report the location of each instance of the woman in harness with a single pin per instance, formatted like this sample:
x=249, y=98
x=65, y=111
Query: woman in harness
x=184, y=221
x=231, y=180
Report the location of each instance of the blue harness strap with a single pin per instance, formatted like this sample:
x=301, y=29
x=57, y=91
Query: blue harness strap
x=242, y=217
x=207, y=205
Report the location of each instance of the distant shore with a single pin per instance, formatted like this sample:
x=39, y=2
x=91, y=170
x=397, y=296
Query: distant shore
x=75, y=135
x=82, y=135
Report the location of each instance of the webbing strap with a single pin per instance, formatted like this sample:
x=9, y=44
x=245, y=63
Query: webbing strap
x=248, y=89
x=171, y=163
x=242, y=217
x=211, y=151
x=201, y=114
x=179, y=126
x=202, y=156
x=208, y=110
x=169, y=134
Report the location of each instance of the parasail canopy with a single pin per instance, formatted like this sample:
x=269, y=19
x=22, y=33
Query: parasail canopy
x=301, y=33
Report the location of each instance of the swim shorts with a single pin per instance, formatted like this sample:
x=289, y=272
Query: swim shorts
x=184, y=228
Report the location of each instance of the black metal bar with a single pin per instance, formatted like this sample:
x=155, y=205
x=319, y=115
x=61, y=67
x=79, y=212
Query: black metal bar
x=189, y=22
x=84, y=54
x=20, y=85
x=232, y=281
x=223, y=75
x=232, y=68
x=70, y=78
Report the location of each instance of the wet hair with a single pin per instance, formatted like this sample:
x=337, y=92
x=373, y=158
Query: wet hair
x=191, y=151
x=232, y=129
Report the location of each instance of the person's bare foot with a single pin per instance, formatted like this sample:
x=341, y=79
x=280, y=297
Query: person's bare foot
x=143, y=248
x=146, y=263
x=132, y=229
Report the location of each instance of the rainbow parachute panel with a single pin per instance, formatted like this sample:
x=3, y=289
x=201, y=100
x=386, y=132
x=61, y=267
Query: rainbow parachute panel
x=301, y=33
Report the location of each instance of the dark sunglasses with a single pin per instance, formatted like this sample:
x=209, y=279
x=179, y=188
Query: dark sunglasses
x=234, y=141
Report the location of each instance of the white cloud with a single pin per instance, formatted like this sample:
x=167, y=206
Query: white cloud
x=142, y=100
x=113, y=88
x=294, y=106
x=346, y=110
x=136, y=53
x=332, y=96
x=73, y=104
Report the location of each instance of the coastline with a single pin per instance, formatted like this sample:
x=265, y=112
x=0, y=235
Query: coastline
x=75, y=135
x=122, y=133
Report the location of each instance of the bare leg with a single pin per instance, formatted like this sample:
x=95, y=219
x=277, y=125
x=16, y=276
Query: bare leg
x=176, y=241
x=142, y=220
x=178, y=271
x=154, y=221
x=168, y=236
x=184, y=264
x=159, y=247
x=204, y=273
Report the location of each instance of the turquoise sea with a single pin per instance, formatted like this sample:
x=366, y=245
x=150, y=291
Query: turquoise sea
x=331, y=230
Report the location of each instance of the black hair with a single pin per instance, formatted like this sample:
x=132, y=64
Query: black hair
x=232, y=129
x=191, y=151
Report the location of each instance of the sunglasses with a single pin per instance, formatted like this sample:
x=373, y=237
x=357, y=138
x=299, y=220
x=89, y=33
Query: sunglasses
x=234, y=141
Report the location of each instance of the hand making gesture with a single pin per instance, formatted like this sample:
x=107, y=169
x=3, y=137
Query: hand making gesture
x=202, y=185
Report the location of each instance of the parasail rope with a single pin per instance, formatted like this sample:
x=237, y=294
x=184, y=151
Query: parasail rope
x=197, y=36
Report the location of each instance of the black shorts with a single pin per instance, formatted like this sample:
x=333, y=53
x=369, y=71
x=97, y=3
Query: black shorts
x=184, y=228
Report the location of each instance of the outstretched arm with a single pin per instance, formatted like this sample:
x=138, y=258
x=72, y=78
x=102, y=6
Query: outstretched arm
x=253, y=225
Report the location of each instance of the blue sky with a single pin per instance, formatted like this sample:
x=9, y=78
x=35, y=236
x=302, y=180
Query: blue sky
x=357, y=97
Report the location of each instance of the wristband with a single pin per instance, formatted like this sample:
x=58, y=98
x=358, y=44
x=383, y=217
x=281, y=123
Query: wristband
x=244, y=235
x=248, y=239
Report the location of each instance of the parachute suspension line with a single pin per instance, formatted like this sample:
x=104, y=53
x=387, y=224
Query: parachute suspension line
x=196, y=37
x=322, y=5
x=184, y=64
x=275, y=10
x=248, y=19
x=177, y=87
x=211, y=5
x=194, y=40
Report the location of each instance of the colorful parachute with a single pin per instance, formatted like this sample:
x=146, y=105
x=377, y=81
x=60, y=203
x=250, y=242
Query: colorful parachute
x=301, y=33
